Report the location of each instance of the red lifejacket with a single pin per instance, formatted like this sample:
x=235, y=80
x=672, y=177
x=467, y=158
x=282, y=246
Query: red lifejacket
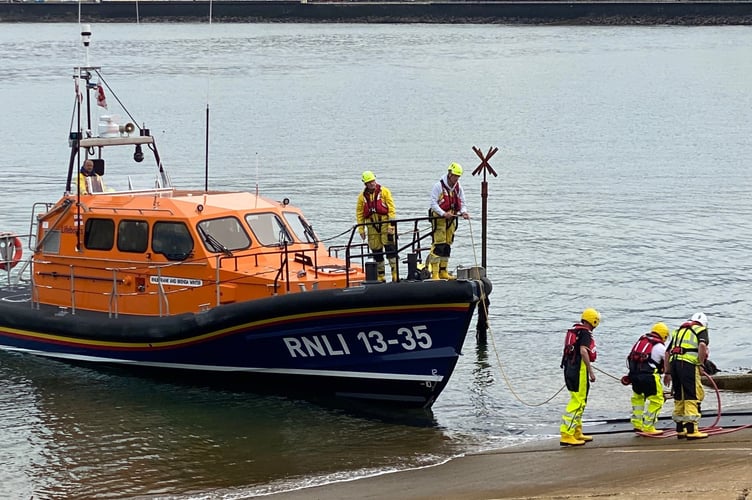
x=690, y=324
x=450, y=201
x=373, y=203
x=639, y=359
x=571, y=340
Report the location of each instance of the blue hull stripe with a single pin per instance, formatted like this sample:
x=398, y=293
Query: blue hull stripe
x=245, y=328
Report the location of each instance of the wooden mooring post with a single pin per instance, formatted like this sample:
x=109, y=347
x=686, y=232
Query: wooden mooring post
x=484, y=167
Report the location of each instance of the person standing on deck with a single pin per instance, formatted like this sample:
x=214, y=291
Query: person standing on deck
x=447, y=203
x=579, y=354
x=645, y=361
x=375, y=208
x=687, y=351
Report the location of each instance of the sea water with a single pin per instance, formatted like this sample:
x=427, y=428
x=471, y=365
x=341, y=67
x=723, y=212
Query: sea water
x=623, y=184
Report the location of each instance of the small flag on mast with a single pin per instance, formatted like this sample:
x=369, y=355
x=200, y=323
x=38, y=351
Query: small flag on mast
x=101, y=100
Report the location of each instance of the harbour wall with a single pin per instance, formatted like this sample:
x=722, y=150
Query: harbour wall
x=501, y=12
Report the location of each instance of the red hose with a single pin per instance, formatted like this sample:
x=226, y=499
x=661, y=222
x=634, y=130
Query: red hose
x=711, y=429
x=718, y=397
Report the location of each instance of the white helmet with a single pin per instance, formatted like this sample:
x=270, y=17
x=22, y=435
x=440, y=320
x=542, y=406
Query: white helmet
x=700, y=318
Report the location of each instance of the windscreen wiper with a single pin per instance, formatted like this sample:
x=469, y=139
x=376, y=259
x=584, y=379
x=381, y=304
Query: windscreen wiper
x=214, y=243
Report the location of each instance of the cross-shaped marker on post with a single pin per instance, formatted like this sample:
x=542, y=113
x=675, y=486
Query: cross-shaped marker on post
x=484, y=165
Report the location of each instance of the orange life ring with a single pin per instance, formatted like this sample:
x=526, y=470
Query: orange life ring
x=9, y=260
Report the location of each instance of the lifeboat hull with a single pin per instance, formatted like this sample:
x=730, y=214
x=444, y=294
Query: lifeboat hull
x=390, y=344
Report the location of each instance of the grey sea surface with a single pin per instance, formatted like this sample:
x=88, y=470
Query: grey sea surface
x=624, y=184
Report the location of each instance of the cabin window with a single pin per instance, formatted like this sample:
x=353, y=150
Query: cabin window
x=268, y=229
x=227, y=231
x=300, y=227
x=133, y=236
x=172, y=239
x=99, y=234
x=51, y=242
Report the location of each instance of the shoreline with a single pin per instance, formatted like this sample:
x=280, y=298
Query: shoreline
x=551, y=12
x=617, y=466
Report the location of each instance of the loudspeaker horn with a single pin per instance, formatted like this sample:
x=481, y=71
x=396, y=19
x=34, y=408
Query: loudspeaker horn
x=128, y=128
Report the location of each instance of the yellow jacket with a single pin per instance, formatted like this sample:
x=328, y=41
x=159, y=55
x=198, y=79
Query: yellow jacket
x=97, y=185
x=365, y=209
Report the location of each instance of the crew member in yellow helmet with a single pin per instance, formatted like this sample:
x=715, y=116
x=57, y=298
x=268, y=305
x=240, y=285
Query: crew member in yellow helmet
x=645, y=362
x=447, y=204
x=579, y=353
x=375, y=208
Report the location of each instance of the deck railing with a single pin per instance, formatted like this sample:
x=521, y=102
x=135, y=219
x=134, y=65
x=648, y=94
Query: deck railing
x=415, y=232
x=411, y=240
x=305, y=254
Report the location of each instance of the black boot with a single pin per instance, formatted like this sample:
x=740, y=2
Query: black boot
x=681, y=431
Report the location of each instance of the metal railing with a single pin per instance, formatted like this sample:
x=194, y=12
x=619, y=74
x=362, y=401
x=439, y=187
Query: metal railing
x=88, y=271
x=410, y=237
x=418, y=230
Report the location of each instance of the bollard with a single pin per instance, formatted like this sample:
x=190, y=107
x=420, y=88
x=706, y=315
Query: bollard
x=412, y=266
x=372, y=274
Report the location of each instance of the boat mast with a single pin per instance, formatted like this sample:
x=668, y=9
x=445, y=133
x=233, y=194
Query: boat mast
x=86, y=39
x=85, y=73
x=82, y=73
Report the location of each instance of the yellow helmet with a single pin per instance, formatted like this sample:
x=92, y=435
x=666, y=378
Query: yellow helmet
x=591, y=316
x=456, y=169
x=661, y=329
x=368, y=176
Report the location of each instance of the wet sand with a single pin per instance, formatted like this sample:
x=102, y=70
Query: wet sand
x=616, y=466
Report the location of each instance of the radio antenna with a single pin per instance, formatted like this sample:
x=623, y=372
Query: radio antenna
x=257, y=179
x=208, y=93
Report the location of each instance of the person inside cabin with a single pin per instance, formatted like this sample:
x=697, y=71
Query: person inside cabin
x=88, y=179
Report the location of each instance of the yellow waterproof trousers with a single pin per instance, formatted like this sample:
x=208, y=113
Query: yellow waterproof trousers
x=572, y=416
x=380, y=241
x=688, y=392
x=645, y=418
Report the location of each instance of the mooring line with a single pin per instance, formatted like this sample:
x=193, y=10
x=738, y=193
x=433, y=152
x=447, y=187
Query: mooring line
x=493, y=342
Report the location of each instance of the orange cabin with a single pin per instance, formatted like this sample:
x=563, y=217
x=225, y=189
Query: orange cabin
x=167, y=252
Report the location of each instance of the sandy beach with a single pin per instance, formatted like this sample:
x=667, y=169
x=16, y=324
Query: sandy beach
x=617, y=466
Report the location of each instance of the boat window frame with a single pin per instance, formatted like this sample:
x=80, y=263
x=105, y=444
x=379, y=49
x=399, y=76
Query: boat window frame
x=146, y=238
x=51, y=242
x=299, y=218
x=281, y=225
x=218, y=236
x=100, y=231
x=175, y=253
